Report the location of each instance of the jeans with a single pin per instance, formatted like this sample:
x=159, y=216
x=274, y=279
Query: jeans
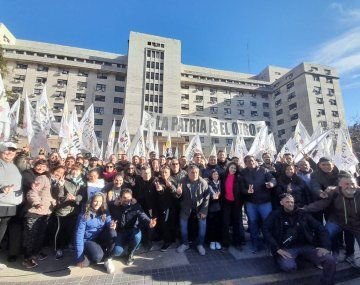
x=128, y=237
x=334, y=230
x=201, y=232
x=3, y=226
x=256, y=212
x=101, y=248
x=232, y=215
x=310, y=253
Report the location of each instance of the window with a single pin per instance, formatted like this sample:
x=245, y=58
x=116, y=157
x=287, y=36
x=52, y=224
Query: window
x=335, y=113
x=227, y=102
x=291, y=96
x=21, y=66
x=160, y=110
x=316, y=77
x=99, y=110
x=37, y=91
x=332, y=102
x=101, y=76
x=241, y=112
x=320, y=112
x=40, y=80
x=199, y=88
x=42, y=68
x=253, y=104
x=18, y=78
x=323, y=124
x=184, y=86
x=313, y=68
x=117, y=111
x=213, y=91
x=202, y=139
x=199, y=98
x=17, y=89
x=254, y=113
x=327, y=71
x=294, y=117
x=331, y=92
x=336, y=125
x=118, y=100
x=151, y=98
x=320, y=100
x=280, y=122
x=264, y=96
x=213, y=100
x=214, y=140
x=240, y=102
x=329, y=80
x=289, y=85
x=120, y=78
x=265, y=105
x=101, y=87
x=279, y=112
x=119, y=89
x=293, y=106
x=83, y=73
x=278, y=103
x=63, y=71
x=266, y=114
x=100, y=98
x=161, y=66
x=227, y=111
x=277, y=93
x=229, y=142
x=184, y=106
x=98, y=122
x=160, y=98
x=81, y=85
x=98, y=134
x=60, y=94
x=317, y=90
x=58, y=106
x=78, y=96
x=213, y=110
x=61, y=83
x=58, y=119
x=281, y=132
x=199, y=108
x=184, y=97
x=80, y=108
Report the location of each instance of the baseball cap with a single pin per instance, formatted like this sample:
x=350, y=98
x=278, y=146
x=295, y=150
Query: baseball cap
x=7, y=145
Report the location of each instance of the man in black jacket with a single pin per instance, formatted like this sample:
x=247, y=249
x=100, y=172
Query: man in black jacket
x=291, y=232
x=126, y=215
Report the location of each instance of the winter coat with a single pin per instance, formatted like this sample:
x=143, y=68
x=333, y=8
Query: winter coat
x=321, y=180
x=209, y=169
x=237, y=188
x=214, y=205
x=164, y=199
x=300, y=191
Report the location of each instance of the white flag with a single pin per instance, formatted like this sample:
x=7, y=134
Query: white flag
x=124, y=136
x=232, y=149
x=311, y=146
x=14, y=116
x=110, y=142
x=270, y=145
x=28, y=118
x=344, y=158
x=101, y=156
x=44, y=117
x=240, y=148
x=137, y=146
x=176, y=154
x=213, y=151
x=4, y=114
x=87, y=130
x=289, y=147
x=193, y=147
x=259, y=144
x=301, y=136
x=74, y=138
x=156, y=149
x=64, y=131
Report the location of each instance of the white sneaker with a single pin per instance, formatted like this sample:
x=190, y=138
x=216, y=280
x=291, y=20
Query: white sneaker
x=109, y=265
x=212, y=245
x=218, y=245
x=2, y=266
x=354, y=261
x=182, y=248
x=201, y=249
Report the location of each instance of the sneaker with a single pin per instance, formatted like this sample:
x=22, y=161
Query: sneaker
x=217, y=245
x=354, y=261
x=130, y=260
x=201, y=249
x=110, y=268
x=59, y=254
x=182, y=248
x=41, y=256
x=212, y=245
x=29, y=263
x=2, y=266
x=12, y=258
x=165, y=246
x=86, y=262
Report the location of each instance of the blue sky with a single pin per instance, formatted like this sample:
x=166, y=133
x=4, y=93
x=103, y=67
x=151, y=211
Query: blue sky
x=213, y=33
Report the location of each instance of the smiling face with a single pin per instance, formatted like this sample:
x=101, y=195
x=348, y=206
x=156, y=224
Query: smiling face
x=290, y=171
x=8, y=155
x=58, y=173
x=40, y=168
x=232, y=169
x=326, y=166
x=165, y=173
x=250, y=162
x=97, y=202
x=348, y=186
x=288, y=204
x=118, y=181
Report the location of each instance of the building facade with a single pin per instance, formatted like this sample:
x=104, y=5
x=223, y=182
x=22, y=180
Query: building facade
x=151, y=77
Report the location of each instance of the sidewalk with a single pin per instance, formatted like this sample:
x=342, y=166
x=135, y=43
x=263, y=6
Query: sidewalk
x=156, y=267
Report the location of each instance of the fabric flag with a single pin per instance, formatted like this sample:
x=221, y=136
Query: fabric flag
x=156, y=148
x=96, y=151
x=213, y=151
x=150, y=140
x=317, y=132
x=137, y=146
x=2, y=87
x=74, y=138
x=193, y=147
x=148, y=122
x=288, y=147
x=64, y=131
x=64, y=148
x=110, y=143
x=28, y=118
x=176, y=154
x=168, y=147
x=87, y=130
x=116, y=148
x=225, y=151
x=259, y=144
x=344, y=157
x=240, y=148
x=101, y=156
x=311, y=146
x=124, y=136
x=43, y=115
x=4, y=114
x=14, y=116
x=301, y=136
x=270, y=145
x=323, y=149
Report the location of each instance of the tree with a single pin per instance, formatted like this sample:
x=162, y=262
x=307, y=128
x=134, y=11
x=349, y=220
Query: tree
x=354, y=131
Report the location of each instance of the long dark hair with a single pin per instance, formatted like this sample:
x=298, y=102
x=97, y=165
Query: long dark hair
x=228, y=166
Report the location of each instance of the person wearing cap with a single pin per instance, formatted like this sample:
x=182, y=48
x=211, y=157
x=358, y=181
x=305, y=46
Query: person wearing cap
x=343, y=208
x=291, y=232
x=10, y=187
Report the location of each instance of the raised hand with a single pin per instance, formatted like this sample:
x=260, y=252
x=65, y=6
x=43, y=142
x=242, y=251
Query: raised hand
x=251, y=189
x=152, y=223
x=179, y=189
x=289, y=189
x=158, y=187
x=113, y=225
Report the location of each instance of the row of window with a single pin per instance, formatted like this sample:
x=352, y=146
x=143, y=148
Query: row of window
x=156, y=65
x=153, y=98
x=317, y=91
x=155, y=109
x=154, y=87
x=226, y=91
x=100, y=111
x=317, y=78
x=101, y=98
x=154, y=75
x=155, y=54
x=213, y=100
x=69, y=58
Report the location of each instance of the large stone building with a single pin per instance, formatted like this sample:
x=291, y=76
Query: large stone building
x=152, y=77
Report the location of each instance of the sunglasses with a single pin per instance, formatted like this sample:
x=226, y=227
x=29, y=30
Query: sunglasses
x=109, y=166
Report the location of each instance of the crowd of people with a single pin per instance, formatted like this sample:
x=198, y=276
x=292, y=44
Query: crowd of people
x=105, y=209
